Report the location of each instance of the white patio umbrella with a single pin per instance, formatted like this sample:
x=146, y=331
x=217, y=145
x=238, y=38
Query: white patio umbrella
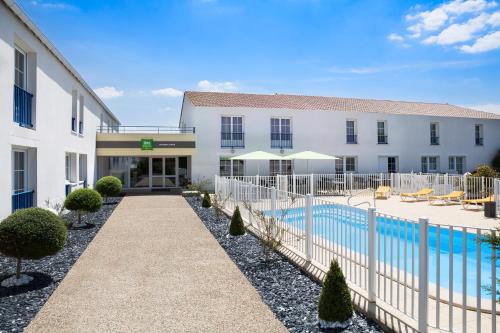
x=258, y=156
x=310, y=155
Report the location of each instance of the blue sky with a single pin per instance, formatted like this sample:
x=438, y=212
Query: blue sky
x=141, y=55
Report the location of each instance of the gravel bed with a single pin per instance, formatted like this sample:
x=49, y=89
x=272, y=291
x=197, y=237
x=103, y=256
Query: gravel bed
x=289, y=293
x=18, y=305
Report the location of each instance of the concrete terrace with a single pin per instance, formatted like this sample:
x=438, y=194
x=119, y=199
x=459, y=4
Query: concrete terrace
x=154, y=267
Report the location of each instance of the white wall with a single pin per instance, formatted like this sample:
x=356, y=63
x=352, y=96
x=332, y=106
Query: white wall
x=52, y=136
x=324, y=131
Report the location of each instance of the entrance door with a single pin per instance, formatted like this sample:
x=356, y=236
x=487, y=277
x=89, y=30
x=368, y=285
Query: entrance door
x=170, y=171
x=392, y=164
x=139, y=172
x=157, y=170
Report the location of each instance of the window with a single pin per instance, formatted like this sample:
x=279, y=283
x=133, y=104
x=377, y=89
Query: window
x=232, y=135
x=74, y=108
x=430, y=164
x=281, y=133
x=82, y=167
x=434, y=133
x=382, y=132
x=81, y=111
x=350, y=164
x=339, y=165
x=225, y=168
x=19, y=170
x=280, y=167
x=238, y=168
x=392, y=164
x=479, y=135
x=456, y=164
x=71, y=167
x=351, y=136
x=20, y=68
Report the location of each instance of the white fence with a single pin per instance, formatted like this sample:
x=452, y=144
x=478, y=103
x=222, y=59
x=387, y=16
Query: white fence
x=352, y=183
x=433, y=274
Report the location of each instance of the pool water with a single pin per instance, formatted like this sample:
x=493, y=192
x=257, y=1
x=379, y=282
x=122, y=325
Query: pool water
x=351, y=227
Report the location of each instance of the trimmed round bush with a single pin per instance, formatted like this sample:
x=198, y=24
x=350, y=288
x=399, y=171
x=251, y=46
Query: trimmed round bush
x=335, y=306
x=236, y=228
x=484, y=171
x=206, y=203
x=31, y=233
x=83, y=200
x=108, y=186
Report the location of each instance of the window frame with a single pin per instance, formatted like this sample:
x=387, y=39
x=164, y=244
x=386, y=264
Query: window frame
x=479, y=134
x=434, y=133
x=426, y=160
x=384, y=135
x=354, y=131
x=24, y=152
x=223, y=161
x=17, y=49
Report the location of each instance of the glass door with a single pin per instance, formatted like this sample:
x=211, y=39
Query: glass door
x=157, y=169
x=139, y=172
x=170, y=172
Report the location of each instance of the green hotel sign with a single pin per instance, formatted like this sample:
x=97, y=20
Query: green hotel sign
x=147, y=144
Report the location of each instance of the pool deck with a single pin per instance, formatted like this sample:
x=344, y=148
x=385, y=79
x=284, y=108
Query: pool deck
x=453, y=215
x=154, y=267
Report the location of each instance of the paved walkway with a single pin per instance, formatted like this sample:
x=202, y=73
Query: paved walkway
x=154, y=267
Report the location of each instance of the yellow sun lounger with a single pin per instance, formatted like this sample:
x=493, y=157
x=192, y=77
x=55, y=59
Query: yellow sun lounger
x=476, y=202
x=454, y=196
x=423, y=194
x=383, y=192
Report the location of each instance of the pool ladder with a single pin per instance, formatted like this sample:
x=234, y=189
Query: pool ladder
x=368, y=190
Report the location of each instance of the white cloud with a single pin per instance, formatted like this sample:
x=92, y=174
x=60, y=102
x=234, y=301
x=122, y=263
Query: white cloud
x=483, y=44
x=395, y=38
x=170, y=92
x=206, y=85
x=52, y=5
x=108, y=92
x=356, y=70
x=455, y=22
x=456, y=33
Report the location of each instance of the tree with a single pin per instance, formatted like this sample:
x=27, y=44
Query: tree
x=484, y=170
x=335, y=306
x=236, y=228
x=495, y=163
x=108, y=186
x=82, y=201
x=31, y=233
x=206, y=203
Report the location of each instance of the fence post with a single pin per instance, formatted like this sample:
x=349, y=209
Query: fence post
x=423, y=272
x=311, y=184
x=294, y=185
x=216, y=184
x=273, y=203
x=372, y=257
x=350, y=181
x=465, y=186
x=309, y=227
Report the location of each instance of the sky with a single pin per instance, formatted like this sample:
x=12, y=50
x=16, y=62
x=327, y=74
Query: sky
x=140, y=56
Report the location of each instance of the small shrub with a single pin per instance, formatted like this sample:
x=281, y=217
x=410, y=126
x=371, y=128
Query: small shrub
x=236, y=228
x=335, y=306
x=108, y=186
x=31, y=233
x=495, y=163
x=484, y=171
x=207, y=203
x=82, y=201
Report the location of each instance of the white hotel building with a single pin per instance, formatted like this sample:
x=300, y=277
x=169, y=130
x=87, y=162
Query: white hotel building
x=368, y=135
x=48, y=117
x=57, y=135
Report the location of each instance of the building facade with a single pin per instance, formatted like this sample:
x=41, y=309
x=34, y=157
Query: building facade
x=48, y=118
x=367, y=135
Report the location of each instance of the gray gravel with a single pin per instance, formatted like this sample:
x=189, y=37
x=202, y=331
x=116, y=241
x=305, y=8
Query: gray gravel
x=18, y=305
x=288, y=292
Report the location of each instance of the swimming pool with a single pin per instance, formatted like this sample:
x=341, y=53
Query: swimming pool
x=331, y=223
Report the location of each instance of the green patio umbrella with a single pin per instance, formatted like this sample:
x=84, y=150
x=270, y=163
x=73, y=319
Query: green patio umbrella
x=310, y=155
x=259, y=156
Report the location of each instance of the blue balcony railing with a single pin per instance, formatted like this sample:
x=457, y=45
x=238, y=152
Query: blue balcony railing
x=73, y=124
x=281, y=140
x=434, y=140
x=22, y=200
x=232, y=140
x=382, y=139
x=22, y=107
x=351, y=138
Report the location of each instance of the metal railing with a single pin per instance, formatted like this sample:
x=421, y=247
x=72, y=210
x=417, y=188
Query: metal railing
x=479, y=141
x=23, y=107
x=282, y=140
x=22, y=200
x=434, y=140
x=427, y=273
x=146, y=129
x=232, y=140
x=351, y=138
x=382, y=139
